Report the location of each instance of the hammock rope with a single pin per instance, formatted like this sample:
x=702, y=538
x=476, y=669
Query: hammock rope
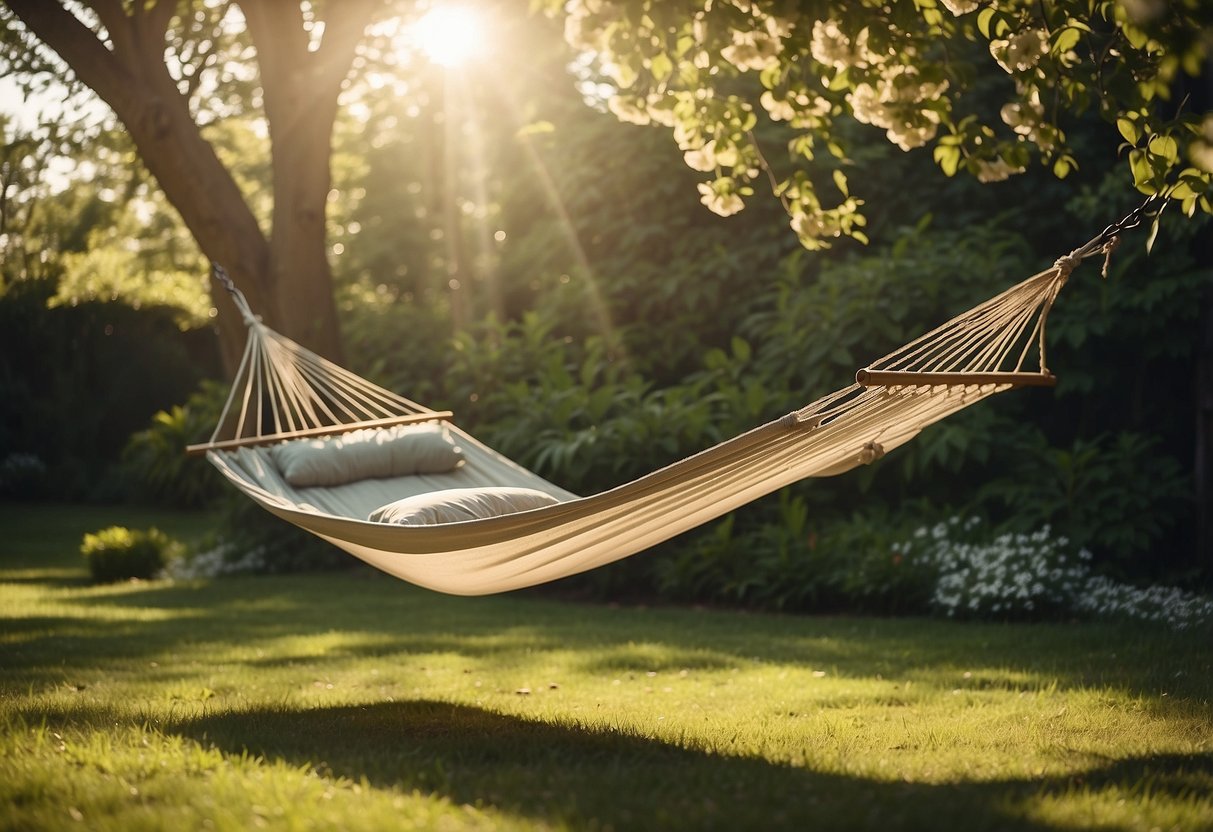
x=284, y=391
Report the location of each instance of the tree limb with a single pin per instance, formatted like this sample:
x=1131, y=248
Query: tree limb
x=79, y=47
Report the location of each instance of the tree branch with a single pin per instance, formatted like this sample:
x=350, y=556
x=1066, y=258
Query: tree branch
x=79, y=47
x=342, y=35
x=116, y=23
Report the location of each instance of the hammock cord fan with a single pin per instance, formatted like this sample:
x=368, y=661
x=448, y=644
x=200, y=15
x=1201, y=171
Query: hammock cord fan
x=283, y=391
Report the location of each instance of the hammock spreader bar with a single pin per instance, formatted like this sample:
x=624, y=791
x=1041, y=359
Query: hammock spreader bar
x=327, y=430
x=897, y=378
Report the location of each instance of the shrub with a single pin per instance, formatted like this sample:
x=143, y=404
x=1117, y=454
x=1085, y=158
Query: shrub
x=251, y=540
x=1115, y=495
x=1031, y=575
x=782, y=560
x=1013, y=575
x=118, y=553
x=22, y=476
x=154, y=465
x=1168, y=605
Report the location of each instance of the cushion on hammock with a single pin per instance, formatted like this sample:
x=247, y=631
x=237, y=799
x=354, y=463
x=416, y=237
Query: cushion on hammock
x=365, y=454
x=458, y=504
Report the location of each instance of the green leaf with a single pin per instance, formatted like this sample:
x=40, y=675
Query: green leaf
x=1136, y=37
x=983, y=20
x=741, y=349
x=661, y=66
x=1165, y=147
x=1128, y=129
x=1065, y=40
x=1139, y=164
x=948, y=159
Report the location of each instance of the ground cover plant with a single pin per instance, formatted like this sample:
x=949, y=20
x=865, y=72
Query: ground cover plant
x=354, y=701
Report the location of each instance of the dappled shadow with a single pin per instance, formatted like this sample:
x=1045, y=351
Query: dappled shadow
x=365, y=618
x=574, y=774
x=50, y=576
x=565, y=773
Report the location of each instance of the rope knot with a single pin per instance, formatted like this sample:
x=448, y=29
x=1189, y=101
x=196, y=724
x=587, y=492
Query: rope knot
x=870, y=452
x=1065, y=265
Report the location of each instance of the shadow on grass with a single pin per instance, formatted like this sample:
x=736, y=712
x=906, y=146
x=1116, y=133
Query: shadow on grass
x=577, y=775
x=374, y=618
x=570, y=774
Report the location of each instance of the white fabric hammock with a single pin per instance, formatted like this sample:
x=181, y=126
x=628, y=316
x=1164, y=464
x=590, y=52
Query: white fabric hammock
x=284, y=391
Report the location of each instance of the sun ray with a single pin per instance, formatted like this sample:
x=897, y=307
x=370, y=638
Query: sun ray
x=449, y=35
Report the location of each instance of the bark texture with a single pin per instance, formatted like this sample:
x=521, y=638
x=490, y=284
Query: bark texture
x=284, y=273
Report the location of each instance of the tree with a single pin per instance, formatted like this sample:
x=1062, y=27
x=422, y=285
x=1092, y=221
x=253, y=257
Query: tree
x=991, y=84
x=169, y=70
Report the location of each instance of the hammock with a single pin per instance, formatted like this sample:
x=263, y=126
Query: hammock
x=284, y=391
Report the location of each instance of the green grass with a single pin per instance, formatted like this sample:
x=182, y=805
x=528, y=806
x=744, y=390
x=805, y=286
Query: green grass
x=358, y=702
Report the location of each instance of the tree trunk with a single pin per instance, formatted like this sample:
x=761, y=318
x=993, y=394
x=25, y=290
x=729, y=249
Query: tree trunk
x=285, y=278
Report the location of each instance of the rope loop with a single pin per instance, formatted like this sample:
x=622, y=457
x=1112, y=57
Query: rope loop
x=1109, y=247
x=225, y=280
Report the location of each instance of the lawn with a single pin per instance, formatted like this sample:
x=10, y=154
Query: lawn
x=354, y=701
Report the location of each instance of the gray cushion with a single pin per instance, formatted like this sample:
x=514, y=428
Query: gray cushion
x=454, y=505
x=366, y=454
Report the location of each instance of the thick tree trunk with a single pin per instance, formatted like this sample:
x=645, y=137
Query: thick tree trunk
x=286, y=278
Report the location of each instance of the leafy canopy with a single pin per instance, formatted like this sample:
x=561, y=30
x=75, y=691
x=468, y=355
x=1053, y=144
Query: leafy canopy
x=991, y=85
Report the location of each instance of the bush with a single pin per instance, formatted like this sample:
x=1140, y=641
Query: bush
x=1016, y=575
x=75, y=381
x=154, y=466
x=119, y=553
x=22, y=477
x=781, y=560
x=251, y=540
x=1011, y=576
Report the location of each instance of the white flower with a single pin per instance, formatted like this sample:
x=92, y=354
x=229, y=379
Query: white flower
x=752, y=50
x=777, y=109
x=627, y=109
x=996, y=170
x=831, y=47
x=725, y=204
x=815, y=226
x=959, y=7
x=1021, y=51
x=703, y=159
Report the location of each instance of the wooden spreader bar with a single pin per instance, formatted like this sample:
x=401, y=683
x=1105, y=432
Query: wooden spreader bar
x=899, y=378
x=325, y=430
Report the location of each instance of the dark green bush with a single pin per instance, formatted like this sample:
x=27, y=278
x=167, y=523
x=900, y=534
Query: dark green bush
x=154, y=466
x=118, y=553
x=75, y=381
x=1115, y=495
x=783, y=559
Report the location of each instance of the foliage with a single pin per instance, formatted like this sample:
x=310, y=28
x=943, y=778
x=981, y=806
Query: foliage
x=1181, y=610
x=154, y=463
x=1117, y=495
x=250, y=539
x=1013, y=575
x=118, y=553
x=75, y=381
x=1030, y=575
x=22, y=477
x=992, y=85
x=784, y=560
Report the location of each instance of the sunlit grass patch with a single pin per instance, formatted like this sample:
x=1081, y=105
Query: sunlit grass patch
x=352, y=701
